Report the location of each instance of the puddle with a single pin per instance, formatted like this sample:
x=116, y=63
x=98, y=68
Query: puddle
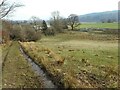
x=47, y=83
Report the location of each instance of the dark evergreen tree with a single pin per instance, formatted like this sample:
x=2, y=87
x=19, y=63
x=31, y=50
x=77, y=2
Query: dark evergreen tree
x=44, y=27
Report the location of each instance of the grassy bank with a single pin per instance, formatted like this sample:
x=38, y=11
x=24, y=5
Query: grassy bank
x=77, y=62
x=16, y=72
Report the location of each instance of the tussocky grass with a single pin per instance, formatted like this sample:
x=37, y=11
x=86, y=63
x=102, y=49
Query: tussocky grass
x=86, y=62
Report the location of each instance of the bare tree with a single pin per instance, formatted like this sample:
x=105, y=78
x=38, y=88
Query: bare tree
x=34, y=20
x=56, y=15
x=7, y=8
x=73, y=21
x=36, y=23
x=56, y=21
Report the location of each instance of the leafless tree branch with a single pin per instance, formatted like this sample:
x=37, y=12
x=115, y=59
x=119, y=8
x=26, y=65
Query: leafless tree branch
x=6, y=8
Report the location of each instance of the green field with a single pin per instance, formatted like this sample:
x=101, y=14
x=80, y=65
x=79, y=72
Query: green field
x=99, y=25
x=76, y=60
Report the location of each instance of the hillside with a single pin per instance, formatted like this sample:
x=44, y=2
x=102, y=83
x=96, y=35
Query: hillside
x=100, y=16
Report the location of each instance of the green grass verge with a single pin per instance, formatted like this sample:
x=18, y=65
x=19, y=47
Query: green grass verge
x=17, y=73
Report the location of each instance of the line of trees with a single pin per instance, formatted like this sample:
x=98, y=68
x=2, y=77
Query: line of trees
x=108, y=21
x=56, y=24
x=32, y=29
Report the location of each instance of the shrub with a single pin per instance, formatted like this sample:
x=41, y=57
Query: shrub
x=6, y=27
x=15, y=33
x=24, y=33
x=29, y=34
x=50, y=31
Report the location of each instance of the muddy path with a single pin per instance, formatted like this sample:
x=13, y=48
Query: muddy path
x=46, y=81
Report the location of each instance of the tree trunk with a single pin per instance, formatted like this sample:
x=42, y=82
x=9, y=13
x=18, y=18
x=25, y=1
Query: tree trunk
x=72, y=27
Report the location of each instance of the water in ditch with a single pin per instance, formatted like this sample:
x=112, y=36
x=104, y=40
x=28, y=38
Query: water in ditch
x=47, y=83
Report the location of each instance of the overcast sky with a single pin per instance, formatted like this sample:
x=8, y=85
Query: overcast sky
x=43, y=8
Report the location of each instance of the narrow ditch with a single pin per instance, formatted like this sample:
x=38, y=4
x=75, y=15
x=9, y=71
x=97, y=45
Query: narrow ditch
x=47, y=83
